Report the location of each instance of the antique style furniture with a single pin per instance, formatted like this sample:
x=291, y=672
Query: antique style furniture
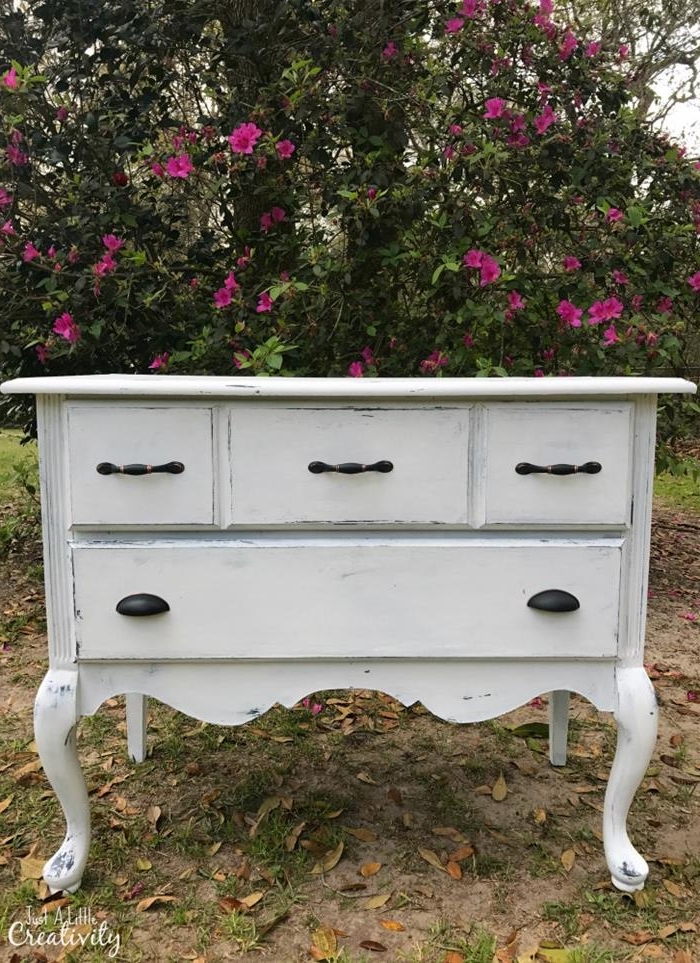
x=225, y=543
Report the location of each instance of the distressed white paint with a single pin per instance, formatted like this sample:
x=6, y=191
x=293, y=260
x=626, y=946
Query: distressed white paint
x=282, y=584
x=546, y=434
x=271, y=598
x=636, y=716
x=272, y=447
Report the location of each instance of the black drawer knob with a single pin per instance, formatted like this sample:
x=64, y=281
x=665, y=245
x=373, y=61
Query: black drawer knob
x=587, y=468
x=170, y=468
x=350, y=467
x=142, y=604
x=554, y=600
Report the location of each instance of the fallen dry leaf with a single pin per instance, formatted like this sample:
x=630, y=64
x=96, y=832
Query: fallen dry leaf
x=453, y=869
x=149, y=901
x=540, y=816
x=452, y=956
x=365, y=777
x=252, y=898
x=5, y=803
x=500, y=789
x=373, y=946
x=369, y=869
x=365, y=835
x=395, y=796
x=568, y=858
x=143, y=864
x=638, y=938
x=293, y=838
x=673, y=888
x=464, y=852
x=375, y=902
x=682, y=956
x=31, y=865
x=330, y=860
x=392, y=925
x=432, y=857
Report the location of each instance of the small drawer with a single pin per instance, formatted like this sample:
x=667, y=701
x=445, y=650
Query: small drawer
x=272, y=448
x=553, y=434
x=122, y=434
x=340, y=598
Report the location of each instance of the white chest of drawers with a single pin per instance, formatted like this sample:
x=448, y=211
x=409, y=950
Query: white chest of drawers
x=249, y=541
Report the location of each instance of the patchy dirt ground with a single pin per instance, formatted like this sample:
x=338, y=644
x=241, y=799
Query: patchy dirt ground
x=366, y=829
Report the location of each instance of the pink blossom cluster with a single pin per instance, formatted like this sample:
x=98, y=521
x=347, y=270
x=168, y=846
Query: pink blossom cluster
x=434, y=362
x=272, y=217
x=65, y=327
x=487, y=265
x=224, y=296
x=243, y=138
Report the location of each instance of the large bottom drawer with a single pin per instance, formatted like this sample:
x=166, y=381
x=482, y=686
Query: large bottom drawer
x=336, y=598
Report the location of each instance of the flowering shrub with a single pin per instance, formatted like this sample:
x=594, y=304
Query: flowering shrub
x=324, y=188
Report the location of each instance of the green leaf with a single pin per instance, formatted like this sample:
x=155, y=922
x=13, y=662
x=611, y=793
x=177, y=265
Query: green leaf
x=437, y=272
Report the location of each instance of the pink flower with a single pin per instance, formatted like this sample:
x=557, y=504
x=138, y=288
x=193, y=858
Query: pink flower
x=73, y=255
x=592, y=48
x=112, y=243
x=605, y=310
x=7, y=228
x=160, y=361
x=30, y=252
x=546, y=7
x=278, y=214
x=610, y=335
x=10, y=79
x=158, y=169
x=571, y=263
x=244, y=260
x=368, y=357
x=568, y=45
x=391, y=50
x=62, y=114
x=613, y=215
x=356, y=369
x=179, y=166
x=470, y=8
x=230, y=283
x=468, y=340
x=434, y=361
x=455, y=130
x=690, y=616
x=15, y=156
x=223, y=297
x=244, y=138
x=285, y=149
x=473, y=258
x=620, y=277
x=66, y=327
x=538, y=373
x=5, y=198
x=448, y=152
x=516, y=302
x=637, y=302
x=623, y=51
x=371, y=193
x=494, y=108
x=489, y=270
x=265, y=221
x=569, y=313
x=265, y=303
x=42, y=353
x=454, y=25
x=545, y=120
x=694, y=281
x=105, y=265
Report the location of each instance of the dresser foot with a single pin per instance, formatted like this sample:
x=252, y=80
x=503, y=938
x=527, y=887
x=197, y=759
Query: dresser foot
x=637, y=721
x=136, y=726
x=558, y=726
x=55, y=723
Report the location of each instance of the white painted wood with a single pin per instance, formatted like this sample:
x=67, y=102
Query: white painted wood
x=55, y=721
x=272, y=447
x=136, y=705
x=271, y=599
x=457, y=690
x=636, y=716
x=558, y=726
x=546, y=434
x=188, y=386
x=280, y=587
x=140, y=434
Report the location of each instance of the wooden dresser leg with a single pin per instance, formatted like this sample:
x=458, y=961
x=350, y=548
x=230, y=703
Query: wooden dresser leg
x=637, y=723
x=558, y=726
x=136, y=705
x=55, y=722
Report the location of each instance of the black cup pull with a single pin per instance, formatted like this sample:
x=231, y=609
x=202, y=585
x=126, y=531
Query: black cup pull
x=350, y=467
x=588, y=468
x=170, y=468
x=554, y=600
x=142, y=604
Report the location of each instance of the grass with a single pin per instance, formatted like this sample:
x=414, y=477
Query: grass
x=13, y=454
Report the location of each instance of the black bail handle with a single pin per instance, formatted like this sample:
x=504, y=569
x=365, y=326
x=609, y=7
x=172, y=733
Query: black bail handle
x=170, y=468
x=587, y=468
x=350, y=467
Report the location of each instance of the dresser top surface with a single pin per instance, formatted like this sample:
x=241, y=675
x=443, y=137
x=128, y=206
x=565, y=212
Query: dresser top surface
x=205, y=386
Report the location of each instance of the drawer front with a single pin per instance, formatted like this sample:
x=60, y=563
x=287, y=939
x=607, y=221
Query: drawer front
x=322, y=598
x=153, y=435
x=271, y=449
x=564, y=433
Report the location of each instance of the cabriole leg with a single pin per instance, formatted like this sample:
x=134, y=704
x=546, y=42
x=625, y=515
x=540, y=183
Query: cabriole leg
x=136, y=726
x=637, y=723
x=558, y=726
x=55, y=722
